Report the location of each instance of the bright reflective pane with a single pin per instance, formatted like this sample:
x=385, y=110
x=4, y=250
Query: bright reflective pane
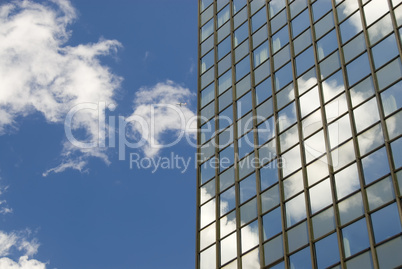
x=291, y=161
x=339, y=131
x=207, y=213
x=366, y=115
x=207, y=236
x=208, y=258
x=370, y=139
x=249, y=236
x=314, y=146
x=295, y=210
x=285, y=96
x=343, y=155
x=227, y=224
x=317, y=170
x=267, y=153
x=228, y=248
x=393, y=126
x=320, y=196
x=251, y=260
x=207, y=30
x=347, y=181
x=261, y=54
x=380, y=29
x=223, y=16
x=330, y=64
x=280, y=39
x=287, y=116
x=207, y=191
x=350, y=27
x=360, y=92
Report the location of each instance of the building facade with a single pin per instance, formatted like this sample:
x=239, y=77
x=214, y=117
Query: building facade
x=300, y=145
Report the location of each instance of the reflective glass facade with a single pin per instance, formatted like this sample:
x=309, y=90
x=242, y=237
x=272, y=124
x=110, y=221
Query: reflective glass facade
x=300, y=142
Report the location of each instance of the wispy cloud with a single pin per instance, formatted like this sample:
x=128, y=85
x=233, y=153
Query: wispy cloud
x=157, y=106
x=38, y=73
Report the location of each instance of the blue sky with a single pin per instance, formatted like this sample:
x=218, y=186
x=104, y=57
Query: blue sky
x=64, y=207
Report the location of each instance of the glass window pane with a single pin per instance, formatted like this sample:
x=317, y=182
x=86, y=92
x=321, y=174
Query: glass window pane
x=293, y=185
x=317, y=170
x=327, y=251
x=295, y=210
x=357, y=69
x=361, y=91
x=278, y=21
x=355, y=237
x=304, y=61
x=301, y=259
x=354, y=47
x=366, y=115
x=258, y=19
x=350, y=27
x=280, y=39
x=228, y=248
x=272, y=223
x=268, y=152
x=261, y=54
x=243, y=85
x=251, y=259
x=397, y=155
x=375, y=165
x=226, y=179
x=227, y=201
x=224, y=47
x=380, y=29
x=326, y=45
x=223, y=16
x=207, y=30
x=249, y=236
x=320, y=196
x=362, y=261
x=260, y=36
x=268, y=175
x=208, y=258
x=247, y=188
x=351, y=208
x=242, y=68
x=287, y=116
x=227, y=224
x=323, y=223
x=389, y=254
x=374, y=10
x=262, y=71
x=370, y=139
x=392, y=99
x=380, y=193
x=330, y=64
x=300, y=23
x=320, y=8
x=291, y=161
x=240, y=34
x=393, y=126
x=207, y=214
x=324, y=25
x=347, y=181
x=207, y=236
x=384, y=51
x=244, y=105
x=270, y=198
x=246, y=144
x=241, y=51
x=302, y=41
x=273, y=250
x=282, y=76
x=263, y=91
x=248, y=211
x=297, y=236
x=389, y=74
x=343, y=155
x=339, y=131
x=225, y=99
x=386, y=223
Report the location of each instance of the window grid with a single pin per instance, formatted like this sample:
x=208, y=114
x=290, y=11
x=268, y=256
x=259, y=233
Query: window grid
x=301, y=138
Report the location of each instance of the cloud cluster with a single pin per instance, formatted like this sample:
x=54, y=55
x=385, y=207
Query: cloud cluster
x=21, y=243
x=39, y=73
x=156, y=112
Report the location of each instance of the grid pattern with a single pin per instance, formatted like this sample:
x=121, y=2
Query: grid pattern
x=300, y=119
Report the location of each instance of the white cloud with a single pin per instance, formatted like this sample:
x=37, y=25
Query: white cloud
x=38, y=73
x=20, y=241
x=157, y=108
x=23, y=263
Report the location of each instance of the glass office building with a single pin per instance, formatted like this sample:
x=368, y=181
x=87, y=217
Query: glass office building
x=300, y=145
